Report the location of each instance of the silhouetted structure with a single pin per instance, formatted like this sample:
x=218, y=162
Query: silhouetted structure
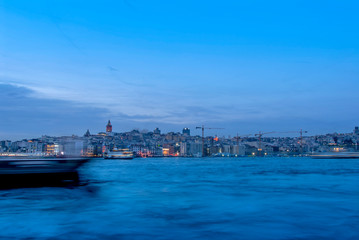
x=186, y=131
x=109, y=127
x=87, y=134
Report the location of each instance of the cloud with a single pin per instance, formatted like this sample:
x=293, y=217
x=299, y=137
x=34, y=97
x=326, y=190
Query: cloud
x=23, y=115
x=112, y=69
x=174, y=101
x=160, y=105
x=136, y=103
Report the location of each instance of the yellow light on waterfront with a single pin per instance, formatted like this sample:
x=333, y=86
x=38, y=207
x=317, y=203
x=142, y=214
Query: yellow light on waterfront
x=165, y=151
x=338, y=149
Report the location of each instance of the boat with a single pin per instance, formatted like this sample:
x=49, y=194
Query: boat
x=335, y=155
x=21, y=165
x=39, y=172
x=123, y=153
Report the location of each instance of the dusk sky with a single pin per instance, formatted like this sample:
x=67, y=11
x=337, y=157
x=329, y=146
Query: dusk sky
x=246, y=66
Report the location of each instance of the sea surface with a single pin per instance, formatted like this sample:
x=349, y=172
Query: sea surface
x=192, y=198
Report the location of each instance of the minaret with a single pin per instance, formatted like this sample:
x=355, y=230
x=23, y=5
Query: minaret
x=108, y=127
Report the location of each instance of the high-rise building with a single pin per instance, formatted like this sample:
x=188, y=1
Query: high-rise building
x=356, y=130
x=186, y=131
x=109, y=127
x=157, y=131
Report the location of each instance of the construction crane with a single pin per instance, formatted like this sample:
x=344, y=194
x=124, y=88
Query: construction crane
x=260, y=134
x=301, y=138
x=239, y=137
x=203, y=136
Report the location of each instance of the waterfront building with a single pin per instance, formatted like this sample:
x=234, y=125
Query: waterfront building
x=233, y=150
x=184, y=149
x=72, y=145
x=5, y=145
x=137, y=148
x=168, y=150
x=52, y=149
x=190, y=149
x=148, y=144
x=90, y=150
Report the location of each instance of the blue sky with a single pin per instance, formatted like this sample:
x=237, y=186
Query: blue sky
x=247, y=66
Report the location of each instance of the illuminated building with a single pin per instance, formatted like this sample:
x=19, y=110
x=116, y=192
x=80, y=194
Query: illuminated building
x=166, y=152
x=109, y=127
x=52, y=149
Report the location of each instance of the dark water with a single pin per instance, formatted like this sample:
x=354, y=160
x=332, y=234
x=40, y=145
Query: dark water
x=184, y=198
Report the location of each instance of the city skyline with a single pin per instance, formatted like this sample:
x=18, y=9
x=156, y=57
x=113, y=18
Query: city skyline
x=156, y=143
x=191, y=131
x=247, y=67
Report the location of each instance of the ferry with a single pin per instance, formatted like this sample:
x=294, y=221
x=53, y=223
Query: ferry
x=123, y=153
x=39, y=172
x=335, y=155
x=31, y=165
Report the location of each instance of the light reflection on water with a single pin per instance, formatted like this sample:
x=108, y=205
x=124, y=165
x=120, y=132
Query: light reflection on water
x=189, y=198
